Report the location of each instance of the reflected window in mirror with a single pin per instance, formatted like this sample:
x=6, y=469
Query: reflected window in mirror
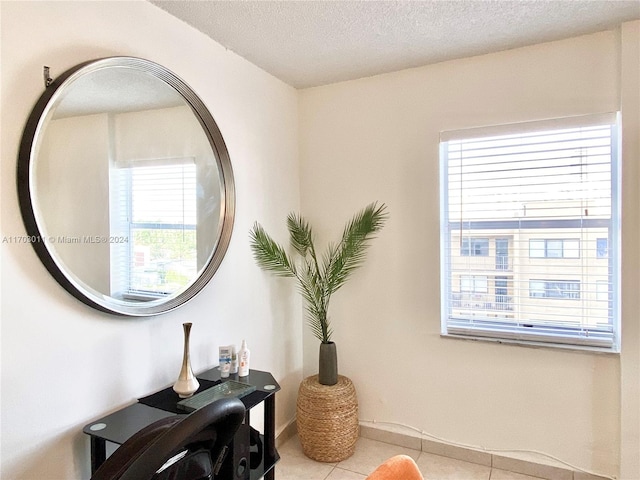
x=155, y=209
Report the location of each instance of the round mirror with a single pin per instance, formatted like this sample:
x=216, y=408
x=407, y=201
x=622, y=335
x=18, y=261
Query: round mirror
x=125, y=186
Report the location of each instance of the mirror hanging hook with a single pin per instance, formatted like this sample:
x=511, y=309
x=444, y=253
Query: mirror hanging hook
x=47, y=79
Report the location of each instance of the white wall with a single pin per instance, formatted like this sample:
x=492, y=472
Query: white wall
x=64, y=364
x=377, y=139
x=76, y=203
x=630, y=358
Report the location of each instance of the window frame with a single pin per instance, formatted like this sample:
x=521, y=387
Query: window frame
x=470, y=245
x=124, y=213
x=477, y=284
x=562, y=248
x=556, y=285
x=602, y=252
x=539, y=333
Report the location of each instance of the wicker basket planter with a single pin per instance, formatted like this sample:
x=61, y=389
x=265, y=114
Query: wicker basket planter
x=327, y=419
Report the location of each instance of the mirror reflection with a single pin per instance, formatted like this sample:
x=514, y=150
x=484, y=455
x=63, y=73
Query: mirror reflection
x=126, y=188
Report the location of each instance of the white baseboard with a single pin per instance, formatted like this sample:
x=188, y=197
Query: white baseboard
x=290, y=430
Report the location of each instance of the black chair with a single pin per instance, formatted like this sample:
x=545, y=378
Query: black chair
x=195, y=444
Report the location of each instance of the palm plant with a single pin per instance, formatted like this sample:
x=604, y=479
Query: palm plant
x=318, y=277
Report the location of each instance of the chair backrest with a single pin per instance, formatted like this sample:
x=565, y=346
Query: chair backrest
x=205, y=432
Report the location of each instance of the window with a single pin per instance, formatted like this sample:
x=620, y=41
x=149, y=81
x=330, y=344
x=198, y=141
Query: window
x=502, y=254
x=554, y=248
x=502, y=299
x=554, y=289
x=541, y=201
x=155, y=204
x=473, y=284
x=602, y=247
x=475, y=247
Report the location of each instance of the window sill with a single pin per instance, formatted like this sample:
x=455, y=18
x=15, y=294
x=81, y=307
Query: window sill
x=532, y=344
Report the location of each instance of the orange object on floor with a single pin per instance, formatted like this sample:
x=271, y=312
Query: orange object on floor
x=400, y=467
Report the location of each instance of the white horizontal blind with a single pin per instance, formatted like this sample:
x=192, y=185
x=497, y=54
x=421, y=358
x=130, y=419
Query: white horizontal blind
x=164, y=196
x=530, y=233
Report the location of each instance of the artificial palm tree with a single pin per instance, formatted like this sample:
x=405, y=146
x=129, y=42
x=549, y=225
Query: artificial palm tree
x=318, y=278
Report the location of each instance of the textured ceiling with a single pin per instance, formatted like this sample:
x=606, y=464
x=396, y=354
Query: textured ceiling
x=310, y=43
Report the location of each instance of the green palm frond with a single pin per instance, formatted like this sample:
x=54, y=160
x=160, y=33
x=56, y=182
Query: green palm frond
x=300, y=233
x=269, y=255
x=318, y=282
x=350, y=254
x=311, y=288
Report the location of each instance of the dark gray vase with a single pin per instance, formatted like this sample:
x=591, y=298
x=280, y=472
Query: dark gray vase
x=328, y=371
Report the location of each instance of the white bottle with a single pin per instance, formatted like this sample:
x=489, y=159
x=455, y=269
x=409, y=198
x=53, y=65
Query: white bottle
x=234, y=360
x=225, y=361
x=243, y=360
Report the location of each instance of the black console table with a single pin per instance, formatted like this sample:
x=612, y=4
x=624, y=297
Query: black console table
x=119, y=426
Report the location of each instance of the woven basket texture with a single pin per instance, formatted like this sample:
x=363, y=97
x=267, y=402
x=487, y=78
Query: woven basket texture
x=327, y=419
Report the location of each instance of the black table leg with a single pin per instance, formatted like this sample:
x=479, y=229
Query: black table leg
x=98, y=453
x=270, y=433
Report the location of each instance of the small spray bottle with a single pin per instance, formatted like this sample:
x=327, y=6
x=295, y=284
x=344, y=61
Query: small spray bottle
x=243, y=359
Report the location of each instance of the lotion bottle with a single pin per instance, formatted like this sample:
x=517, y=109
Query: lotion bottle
x=243, y=360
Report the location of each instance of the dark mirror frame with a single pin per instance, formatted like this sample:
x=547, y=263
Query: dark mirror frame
x=25, y=162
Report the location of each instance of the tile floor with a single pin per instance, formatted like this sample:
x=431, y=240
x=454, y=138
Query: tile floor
x=294, y=465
